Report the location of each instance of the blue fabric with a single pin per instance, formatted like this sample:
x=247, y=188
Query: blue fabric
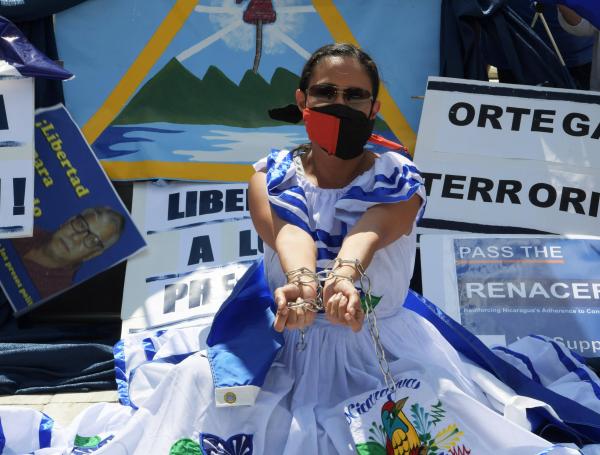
x=523, y=358
x=582, y=423
x=2, y=438
x=475, y=33
x=576, y=50
x=121, y=373
x=242, y=342
x=149, y=349
x=588, y=9
x=45, y=431
x=17, y=51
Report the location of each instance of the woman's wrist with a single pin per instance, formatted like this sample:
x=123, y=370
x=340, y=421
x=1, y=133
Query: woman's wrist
x=303, y=277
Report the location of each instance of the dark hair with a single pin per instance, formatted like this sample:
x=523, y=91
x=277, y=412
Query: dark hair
x=340, y=50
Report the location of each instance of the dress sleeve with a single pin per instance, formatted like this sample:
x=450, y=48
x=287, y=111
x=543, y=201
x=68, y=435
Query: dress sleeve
x=392, y=179
x=286, y=196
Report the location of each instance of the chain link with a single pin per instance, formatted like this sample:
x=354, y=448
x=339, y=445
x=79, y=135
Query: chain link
x=304, y=276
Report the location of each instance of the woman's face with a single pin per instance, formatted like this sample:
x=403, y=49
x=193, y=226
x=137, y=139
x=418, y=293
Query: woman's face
x=350, y=80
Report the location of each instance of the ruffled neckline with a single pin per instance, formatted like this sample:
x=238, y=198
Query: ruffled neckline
x=355, y=182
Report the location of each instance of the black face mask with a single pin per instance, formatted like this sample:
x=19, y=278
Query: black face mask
x=338, y=129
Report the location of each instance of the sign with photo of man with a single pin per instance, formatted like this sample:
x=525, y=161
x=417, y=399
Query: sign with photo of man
x=81, y=227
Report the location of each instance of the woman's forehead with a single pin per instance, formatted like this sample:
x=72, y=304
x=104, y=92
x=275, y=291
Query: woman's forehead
x=342, y=71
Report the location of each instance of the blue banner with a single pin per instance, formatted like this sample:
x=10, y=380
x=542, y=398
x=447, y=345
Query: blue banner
x=514, y=287
x=81, y=227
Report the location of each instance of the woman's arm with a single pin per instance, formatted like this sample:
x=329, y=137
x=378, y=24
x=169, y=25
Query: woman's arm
x=260, y=210
x=378, y=227
x=296, y=250
x=573, y=22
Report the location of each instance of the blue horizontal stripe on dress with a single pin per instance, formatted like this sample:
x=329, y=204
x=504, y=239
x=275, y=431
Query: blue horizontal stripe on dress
x=294, y=189
x=325, y=254
x=389, y=180
x=290, y=217
x=382, y=195
x=330, y=240
x=294, y=202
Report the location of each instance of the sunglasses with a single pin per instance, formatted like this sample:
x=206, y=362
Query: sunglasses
x=327, y=93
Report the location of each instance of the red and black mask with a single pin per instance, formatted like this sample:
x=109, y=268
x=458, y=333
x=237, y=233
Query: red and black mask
x=338, y=129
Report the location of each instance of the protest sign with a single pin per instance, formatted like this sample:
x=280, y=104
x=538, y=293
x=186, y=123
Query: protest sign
x=505, y=288
x=16, y=156
x=502, y=158
x=201, y=241
x=81, y=227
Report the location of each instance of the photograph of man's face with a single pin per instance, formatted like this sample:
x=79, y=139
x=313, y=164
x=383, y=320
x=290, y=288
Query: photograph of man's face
x=84, y=236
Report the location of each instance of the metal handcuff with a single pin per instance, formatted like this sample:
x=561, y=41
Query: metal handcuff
x=303, y=276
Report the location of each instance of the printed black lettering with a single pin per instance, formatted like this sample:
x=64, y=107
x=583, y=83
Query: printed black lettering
x=173, y=212
x=199, y=293
x=594, y=202
x=233, y=200
x=517, y=113
x=428, y=178
x=211, y=201
x=3, y=116
x=450, y=184
x=596, y=134
x=173, y=293
x=229, y=281
x=509, y=188
x=201, y=250
x=491, y=113
x=534, y=196
x=583, y=129
x=19, y=195
x=191, y=203
x=480, y=186
x=246, y=244
x=574, y=197
x=539, y=119
x=469, y=114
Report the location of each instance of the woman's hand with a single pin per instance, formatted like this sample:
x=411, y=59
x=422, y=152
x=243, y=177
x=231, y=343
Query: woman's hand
x=293, y=318
x=342, y=303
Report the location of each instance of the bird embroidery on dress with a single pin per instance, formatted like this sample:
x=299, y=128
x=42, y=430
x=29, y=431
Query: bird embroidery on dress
x=401, y=436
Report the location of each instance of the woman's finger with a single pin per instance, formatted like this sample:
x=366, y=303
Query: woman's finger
x=342, y=308
x=282, y=311
x=354, y=316
x=300, y=317
x=291, y=319
x=332, y=308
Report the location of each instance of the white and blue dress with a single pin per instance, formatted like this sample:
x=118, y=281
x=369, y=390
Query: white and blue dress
x=254, y=392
